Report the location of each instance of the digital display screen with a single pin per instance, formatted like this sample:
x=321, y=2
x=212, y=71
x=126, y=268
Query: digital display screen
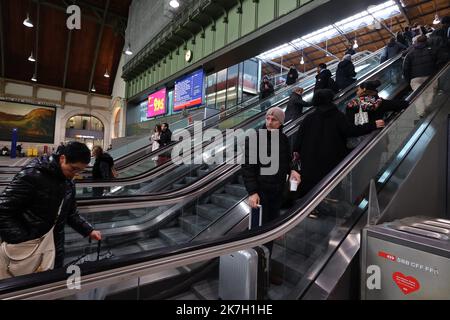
x=189, y=91
x=156, y=104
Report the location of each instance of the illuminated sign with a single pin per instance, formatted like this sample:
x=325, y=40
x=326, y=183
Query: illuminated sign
x=157, y=104
x=189, y=91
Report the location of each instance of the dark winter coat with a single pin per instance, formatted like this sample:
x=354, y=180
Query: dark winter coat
x=266, y=90
x=440, y=42
x=391, y=50
x=253, y=180
x=102, y=169
x=165, y=138
x=321, y=143
x=29, y=206
x=292, y=76
x=375, y=106
x=345, y=74
x=295, y=107
x=419, y=62
x=324, y=81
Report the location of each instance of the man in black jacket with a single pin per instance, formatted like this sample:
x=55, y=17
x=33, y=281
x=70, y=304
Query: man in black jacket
x=321, y=141
x=345, y=73
x=292, y=76
x=324, y=79
x=263, y=189
x=419, y=65
x=29, y=206
x=295, y=105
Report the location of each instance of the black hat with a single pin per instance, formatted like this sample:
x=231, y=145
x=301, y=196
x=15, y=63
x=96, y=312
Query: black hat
x=370, y=85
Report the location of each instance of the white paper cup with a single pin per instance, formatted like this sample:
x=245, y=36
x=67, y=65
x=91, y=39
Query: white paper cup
x=294, y=185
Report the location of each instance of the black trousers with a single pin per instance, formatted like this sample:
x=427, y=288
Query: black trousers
x=270, y=200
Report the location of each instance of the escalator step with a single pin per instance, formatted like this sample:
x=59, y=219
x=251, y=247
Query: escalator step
x=303, y=243
x=174, y=236
x=207, y=290
x=190, y=180
x=225, y=200
x=176, y=186
x=237, y=190
x=151, y=244
x=288, y=264
x=193, y=224
x=210, y=211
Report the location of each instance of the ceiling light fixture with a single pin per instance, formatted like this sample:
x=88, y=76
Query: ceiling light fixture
x=128, y=52
x=27, y=22
x=31, y=57
x=174, y=4
x=34, y=78
x=302, y=61
x=106, y=74
x=93, y=88
x=436, y=19
x=355, y=45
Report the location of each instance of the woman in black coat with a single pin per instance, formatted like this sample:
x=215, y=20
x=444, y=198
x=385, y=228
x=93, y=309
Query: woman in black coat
x=322, y=138
x=295, y=105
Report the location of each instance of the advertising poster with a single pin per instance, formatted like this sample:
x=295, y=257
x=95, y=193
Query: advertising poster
x=34, y=123
x=157, y=104
x=189, y=91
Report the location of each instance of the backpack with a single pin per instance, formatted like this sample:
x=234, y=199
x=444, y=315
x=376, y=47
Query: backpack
x=332, y=85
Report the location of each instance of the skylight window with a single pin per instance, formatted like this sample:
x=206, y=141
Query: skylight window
x=363, y=19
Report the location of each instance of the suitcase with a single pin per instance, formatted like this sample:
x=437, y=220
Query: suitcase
x=244, y=275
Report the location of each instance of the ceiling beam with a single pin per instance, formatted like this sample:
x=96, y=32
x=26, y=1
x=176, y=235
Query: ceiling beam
x=403, y=11
x=97, y=49
x=63, y=8
x=2, y=45
x=66, y=63
x=342, y=33
x=305, y=55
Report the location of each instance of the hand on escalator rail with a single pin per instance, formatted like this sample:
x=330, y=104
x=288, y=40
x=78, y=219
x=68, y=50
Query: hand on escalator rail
x=254, y=201
x=380, y=124
x=96, y=235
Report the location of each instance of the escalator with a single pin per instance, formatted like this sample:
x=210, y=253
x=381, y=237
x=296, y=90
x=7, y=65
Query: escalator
x=146, y=166
x=169, y=177
x=157, y=225
x=318, y=221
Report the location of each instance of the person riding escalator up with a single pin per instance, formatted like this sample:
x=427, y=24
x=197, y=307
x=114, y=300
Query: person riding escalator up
x=102, y=170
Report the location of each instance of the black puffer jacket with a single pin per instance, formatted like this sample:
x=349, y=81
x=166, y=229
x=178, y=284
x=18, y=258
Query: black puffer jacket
x=29, y=206
x=253, y=179
x=419, y=62
x=345, y=74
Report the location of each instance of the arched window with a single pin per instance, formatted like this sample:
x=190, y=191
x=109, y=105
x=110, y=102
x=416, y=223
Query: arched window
x=87, y=129
x=85, y=122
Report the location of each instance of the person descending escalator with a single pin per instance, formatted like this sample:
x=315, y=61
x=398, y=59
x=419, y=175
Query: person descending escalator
x=321, y=141
x=295, y=105
x=392, y=49
x=263, y=188
x=368, y=107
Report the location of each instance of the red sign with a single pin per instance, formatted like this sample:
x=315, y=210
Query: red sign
x=407, y=284
x=387, y=256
